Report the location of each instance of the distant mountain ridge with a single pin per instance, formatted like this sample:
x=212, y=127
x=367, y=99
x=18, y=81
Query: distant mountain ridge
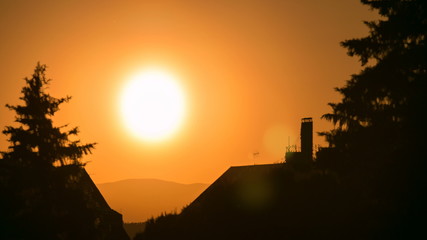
x=139, y=199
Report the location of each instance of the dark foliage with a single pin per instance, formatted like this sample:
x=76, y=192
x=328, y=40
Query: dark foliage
x=37, y=142
x=377, y=145
x=45, y=191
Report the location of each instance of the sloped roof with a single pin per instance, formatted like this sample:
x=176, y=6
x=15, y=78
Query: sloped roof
x=250, y=185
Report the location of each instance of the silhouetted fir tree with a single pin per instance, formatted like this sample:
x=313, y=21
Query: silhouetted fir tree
x=43, y=185
x=37, y=142
x=381, y=120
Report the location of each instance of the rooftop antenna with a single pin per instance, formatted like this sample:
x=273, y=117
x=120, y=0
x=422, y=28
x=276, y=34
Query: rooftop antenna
x=255, y=155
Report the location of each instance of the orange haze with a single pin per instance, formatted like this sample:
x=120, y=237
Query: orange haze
x=250, y=69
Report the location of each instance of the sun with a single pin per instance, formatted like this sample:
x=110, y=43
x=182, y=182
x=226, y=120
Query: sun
x=152, y=105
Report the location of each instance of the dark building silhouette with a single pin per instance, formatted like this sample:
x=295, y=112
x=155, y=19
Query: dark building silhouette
x=305, y=157
x=109, y=222
x=271, y=201
x=247, y=183
x=62, y=203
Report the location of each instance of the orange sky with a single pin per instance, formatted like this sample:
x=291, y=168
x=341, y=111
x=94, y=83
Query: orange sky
x=250, y=71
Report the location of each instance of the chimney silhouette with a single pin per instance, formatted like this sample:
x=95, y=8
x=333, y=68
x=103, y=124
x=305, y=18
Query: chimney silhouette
x=307, y=138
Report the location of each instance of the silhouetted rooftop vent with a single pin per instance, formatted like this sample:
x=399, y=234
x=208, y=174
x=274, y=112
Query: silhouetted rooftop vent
x=307, y=138
x=306, y=154
x=308, y=119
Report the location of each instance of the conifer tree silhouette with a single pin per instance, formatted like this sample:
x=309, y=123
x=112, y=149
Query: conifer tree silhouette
x=45, y=191
x=37, y=142
x=383, y=106
x=380, y=123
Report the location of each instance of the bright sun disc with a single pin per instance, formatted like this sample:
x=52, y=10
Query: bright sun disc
x=152, y=105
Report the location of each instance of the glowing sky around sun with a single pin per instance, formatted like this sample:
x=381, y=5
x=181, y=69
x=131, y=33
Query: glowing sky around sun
x=249, y=71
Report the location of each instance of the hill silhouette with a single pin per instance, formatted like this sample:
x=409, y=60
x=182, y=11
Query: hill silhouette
x=140, y=199
x=134, y=228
